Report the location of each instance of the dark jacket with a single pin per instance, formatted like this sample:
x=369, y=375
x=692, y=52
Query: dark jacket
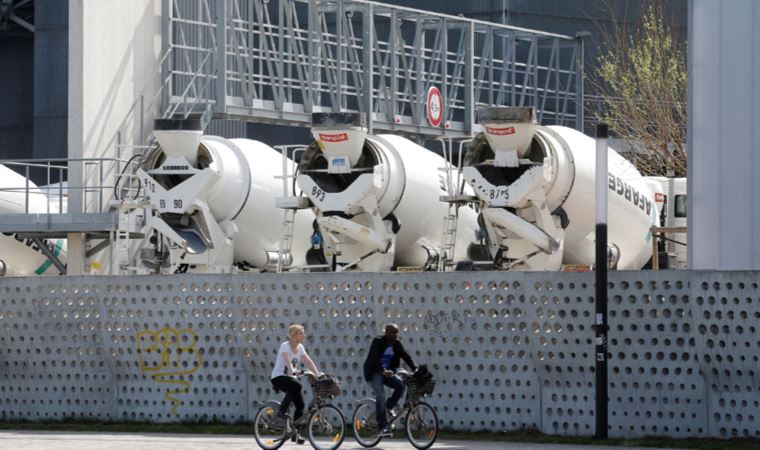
x=373, y=364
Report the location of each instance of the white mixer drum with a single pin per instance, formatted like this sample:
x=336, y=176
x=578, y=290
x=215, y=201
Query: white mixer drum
x=243, y=192
x=21, y=256
x=419, y=209
x=260, y=223
x=631, y=204
x=378, y=194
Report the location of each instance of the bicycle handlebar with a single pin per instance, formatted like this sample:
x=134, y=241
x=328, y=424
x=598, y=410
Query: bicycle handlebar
x=310, y=374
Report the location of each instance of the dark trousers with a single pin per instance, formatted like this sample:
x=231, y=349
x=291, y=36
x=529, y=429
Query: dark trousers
x=292, y=389
x=378, y=381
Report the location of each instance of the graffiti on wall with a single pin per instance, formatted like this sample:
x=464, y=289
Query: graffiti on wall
x=443, y=323
x=169, y=355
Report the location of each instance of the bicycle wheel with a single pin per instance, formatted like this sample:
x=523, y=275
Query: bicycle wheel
x=364, y=424
x=326, y=428
x=422, y=426
x=268, y=435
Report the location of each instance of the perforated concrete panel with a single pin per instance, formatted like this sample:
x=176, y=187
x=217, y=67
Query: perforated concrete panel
x=509, y=350
x=726, y=316
x=656, y=387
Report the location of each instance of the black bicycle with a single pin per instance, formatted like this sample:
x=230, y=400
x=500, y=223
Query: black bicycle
x=322, y=423
x=421, y=424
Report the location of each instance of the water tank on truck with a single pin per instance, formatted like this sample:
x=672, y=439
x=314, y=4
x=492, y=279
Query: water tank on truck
x=376, y=200
x=213, y=203
x=535, y=187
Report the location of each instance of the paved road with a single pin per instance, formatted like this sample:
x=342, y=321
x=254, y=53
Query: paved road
x=41, y=440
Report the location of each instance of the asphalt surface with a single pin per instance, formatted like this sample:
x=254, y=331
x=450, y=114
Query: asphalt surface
x=54, y=440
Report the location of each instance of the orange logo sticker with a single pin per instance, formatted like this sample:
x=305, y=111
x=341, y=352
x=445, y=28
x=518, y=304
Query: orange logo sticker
x=333, y=137
x=500, y=131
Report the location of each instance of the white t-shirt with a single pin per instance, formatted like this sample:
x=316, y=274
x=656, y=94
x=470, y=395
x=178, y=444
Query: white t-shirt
x=285, y=351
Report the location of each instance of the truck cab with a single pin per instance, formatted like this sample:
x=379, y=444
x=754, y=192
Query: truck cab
x=671, y=202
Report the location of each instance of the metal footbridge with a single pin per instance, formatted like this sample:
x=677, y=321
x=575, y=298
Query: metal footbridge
x=279, y=61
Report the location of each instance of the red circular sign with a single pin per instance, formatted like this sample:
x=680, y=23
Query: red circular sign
x=434, y=106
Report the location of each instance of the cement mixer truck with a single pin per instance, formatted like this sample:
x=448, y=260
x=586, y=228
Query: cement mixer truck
x=205, y=191
x=534, y=186
x=376, y=200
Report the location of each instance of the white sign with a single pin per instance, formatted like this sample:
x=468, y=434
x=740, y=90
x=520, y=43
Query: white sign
x=434, y=106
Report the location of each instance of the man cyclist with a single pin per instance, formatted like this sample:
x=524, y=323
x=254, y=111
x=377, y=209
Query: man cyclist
x=384, y=357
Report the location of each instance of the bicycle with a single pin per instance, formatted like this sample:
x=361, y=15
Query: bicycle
x=421, y=424
x=322, y=422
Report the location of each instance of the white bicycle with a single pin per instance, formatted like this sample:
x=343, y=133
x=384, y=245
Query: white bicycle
x=322, y=423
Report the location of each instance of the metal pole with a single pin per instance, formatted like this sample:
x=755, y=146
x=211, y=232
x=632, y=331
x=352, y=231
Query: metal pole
x=166, y=36
x=47, y=188
x=26, y=190
x=601, y=281
x=368, y=40
x=580, y=79
x=100, y=186
x=655, y=251
x=60, y=190
x=221, y=57
x=469, y=78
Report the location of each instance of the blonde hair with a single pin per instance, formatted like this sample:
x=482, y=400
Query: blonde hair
x=293, y=329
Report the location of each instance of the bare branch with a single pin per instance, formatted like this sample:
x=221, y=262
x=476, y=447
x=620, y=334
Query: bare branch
x=641, y=88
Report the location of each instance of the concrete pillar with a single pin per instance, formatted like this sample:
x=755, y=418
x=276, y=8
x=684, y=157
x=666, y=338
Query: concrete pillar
x=75, y=241
x=114, y=49
x=724, y=135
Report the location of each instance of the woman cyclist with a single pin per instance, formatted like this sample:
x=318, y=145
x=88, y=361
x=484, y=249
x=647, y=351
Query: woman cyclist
x=290, y=354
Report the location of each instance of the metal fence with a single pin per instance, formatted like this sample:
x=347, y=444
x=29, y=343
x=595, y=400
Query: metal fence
x=509, y=350
x=280, y=60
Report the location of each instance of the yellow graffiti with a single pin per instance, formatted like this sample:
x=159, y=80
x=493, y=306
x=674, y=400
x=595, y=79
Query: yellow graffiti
x=168, y=353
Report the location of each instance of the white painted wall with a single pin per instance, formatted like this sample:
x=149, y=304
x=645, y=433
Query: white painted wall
x=724, y=134
x=114, y=47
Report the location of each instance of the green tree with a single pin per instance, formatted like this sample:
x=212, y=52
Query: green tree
x=641, y=82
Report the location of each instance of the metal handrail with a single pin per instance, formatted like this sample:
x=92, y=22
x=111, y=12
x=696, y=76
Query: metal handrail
x=93, y=166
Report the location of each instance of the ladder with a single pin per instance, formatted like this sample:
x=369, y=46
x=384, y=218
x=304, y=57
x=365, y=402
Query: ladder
x=455, y=198
x=286, y=242
x=449, y=238
x=290, y=203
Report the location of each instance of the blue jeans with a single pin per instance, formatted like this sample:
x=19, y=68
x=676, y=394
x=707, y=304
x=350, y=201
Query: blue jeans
x=377, y=382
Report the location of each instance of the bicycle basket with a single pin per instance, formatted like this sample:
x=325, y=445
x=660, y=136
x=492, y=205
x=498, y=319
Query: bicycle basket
x=419, y=387
x=327, y=387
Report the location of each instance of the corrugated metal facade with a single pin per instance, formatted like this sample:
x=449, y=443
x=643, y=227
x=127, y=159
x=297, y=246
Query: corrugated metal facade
x=16, y=92
x=51, y=78
x=230, y=129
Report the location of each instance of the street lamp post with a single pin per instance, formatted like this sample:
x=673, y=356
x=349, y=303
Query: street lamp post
x=601, y=281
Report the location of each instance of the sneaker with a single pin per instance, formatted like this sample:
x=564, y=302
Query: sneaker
x=385, y=432
x=298, y=439
x=390, y=415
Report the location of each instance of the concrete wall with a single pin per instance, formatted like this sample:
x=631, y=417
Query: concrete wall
x=724, y=135
x=509, y=351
